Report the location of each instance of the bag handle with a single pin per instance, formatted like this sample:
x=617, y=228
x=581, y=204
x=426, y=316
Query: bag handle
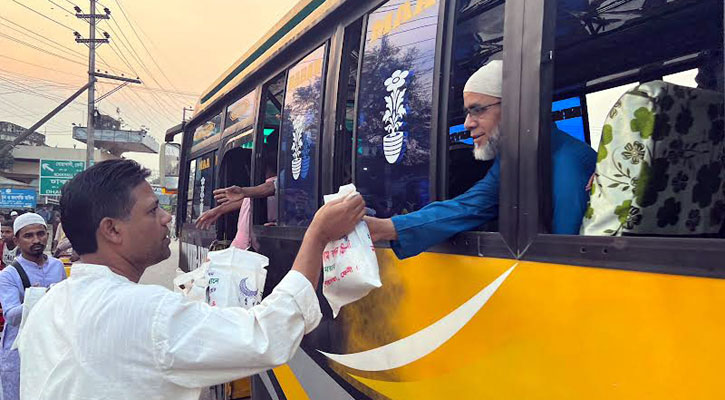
x=23, y=275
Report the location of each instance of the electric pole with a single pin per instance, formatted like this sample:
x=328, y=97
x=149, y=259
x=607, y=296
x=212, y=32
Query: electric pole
x=92, y=44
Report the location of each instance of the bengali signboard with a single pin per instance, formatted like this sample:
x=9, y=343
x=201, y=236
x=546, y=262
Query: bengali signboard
x=18, y=198
x=55, y=173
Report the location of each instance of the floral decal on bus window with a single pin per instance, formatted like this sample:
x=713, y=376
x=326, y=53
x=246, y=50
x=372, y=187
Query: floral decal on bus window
x=394, y=141
x=299, y=124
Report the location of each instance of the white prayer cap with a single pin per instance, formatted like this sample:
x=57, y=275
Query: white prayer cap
x=487, y=80
x=13, y=213
x=27, y=219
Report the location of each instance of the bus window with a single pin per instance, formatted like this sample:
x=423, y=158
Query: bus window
x=478, y=40
x=265, y=210
x=652, y=79
x=396, y=90
x=202, y=187
x=299, y=138
x=190, y=191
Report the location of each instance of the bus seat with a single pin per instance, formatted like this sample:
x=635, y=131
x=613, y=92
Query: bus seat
x=660, y=165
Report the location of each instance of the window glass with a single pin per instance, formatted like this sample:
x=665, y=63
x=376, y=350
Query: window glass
x=301, y=125
x=240, y=114
x=393, y=123
x=651, y=74
x=202, y=185
x=265, y=210
x=477, y=41
x=207, y=134
x=190, y=191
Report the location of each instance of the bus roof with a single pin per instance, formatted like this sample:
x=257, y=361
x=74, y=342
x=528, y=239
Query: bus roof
x=304, y=15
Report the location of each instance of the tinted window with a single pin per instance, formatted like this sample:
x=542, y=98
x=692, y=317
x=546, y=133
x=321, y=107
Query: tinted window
x=301, y=124
x=202, y=185
x=393, y=123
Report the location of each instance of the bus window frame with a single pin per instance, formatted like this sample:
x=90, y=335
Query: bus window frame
x=666, y=255
x=504, y=243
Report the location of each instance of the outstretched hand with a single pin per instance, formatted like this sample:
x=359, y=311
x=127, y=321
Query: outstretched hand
x=337, y=218
x=231, y=193
x=208, y=218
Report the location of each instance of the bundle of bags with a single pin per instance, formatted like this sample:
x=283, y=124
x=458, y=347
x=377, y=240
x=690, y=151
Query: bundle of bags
x=235, y=278
x=229, y=278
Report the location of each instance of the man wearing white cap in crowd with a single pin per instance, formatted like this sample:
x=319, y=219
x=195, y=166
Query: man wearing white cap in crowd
x=31, y=268
x=573, y=162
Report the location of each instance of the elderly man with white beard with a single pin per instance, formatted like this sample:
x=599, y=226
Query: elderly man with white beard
x=573, y=164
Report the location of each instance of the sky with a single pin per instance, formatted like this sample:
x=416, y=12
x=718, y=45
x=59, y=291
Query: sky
x=177, y=48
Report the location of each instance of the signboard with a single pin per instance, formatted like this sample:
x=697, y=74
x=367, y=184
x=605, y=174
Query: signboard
x=55, y=173
x=18, y=198
x=240, y=114
x=207, y=133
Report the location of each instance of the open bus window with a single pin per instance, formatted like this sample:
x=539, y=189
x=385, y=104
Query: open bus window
x=650, y=73
x=265, y=210
x=299, y=140
x=393, y=152
x=478, y=40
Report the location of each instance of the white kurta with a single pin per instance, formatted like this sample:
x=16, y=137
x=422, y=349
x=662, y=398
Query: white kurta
x=98, y=335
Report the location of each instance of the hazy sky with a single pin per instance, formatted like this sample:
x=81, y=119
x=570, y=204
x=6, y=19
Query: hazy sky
x=192, y=44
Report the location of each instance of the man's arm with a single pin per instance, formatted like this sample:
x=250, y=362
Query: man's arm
x=236, y=193
x=197, y=345
x=10, y=296
x=413, y=233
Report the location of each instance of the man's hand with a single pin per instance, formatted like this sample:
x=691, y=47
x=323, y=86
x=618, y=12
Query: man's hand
x=337, y=218
x=232, y=193
x=381, y=229
x=332, y=221
x=208, y=218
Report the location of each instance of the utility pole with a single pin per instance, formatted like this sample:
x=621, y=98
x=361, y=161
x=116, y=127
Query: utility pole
x=92, y=44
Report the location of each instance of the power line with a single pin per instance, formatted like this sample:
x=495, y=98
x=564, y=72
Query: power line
x=42, y=36
x=45, y=16
x=61, y=7
x=39, y=49
x=40, y=66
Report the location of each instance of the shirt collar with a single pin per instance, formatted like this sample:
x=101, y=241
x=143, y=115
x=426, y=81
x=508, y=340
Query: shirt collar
x=23, y=261
x=97, y=270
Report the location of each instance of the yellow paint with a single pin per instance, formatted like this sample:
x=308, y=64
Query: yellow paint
x=290, y=385
x=550, y=331
x=395, y=18
x=204, y=163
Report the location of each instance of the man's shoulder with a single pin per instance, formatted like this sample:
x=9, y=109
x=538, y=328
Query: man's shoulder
x=567, y=149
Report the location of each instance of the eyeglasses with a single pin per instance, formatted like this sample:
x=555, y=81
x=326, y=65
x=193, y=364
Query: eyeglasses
x=478, y=111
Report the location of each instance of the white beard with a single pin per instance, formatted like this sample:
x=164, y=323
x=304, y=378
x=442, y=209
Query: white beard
x=488, y=151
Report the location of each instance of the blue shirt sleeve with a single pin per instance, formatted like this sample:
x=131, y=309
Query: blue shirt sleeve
x=441, y=220
x=10, y=285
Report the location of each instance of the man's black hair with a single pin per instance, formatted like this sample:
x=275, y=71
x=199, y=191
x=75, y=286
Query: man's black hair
x=7, y=224
x=103, y=190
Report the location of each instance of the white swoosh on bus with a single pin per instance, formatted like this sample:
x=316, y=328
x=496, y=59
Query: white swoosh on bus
x=423, y=342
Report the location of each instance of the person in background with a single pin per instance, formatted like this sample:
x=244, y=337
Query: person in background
x=101, y=335
x=31, y=237
x=9, y=249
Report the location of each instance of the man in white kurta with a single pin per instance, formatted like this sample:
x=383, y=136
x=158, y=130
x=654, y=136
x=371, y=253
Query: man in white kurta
x=100, y=335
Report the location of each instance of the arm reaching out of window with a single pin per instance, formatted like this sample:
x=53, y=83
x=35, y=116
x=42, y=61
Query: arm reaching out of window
x=236, y=193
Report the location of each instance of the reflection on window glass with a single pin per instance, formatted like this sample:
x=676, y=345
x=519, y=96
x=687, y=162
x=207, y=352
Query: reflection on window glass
x=208, y=133
x=567, y=115
x=300, y=134
x=393, y=124
x=659, y=166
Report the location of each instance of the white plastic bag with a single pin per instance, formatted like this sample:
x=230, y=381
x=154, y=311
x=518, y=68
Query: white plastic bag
x=350, y=267
x=193, y=284
x=31, y=297
x=236, y=278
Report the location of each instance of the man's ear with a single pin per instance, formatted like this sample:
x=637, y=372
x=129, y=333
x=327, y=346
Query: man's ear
x=109, y=230
x=15, y=240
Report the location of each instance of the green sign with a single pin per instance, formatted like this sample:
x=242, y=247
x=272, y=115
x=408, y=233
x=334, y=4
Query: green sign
x=55, y=173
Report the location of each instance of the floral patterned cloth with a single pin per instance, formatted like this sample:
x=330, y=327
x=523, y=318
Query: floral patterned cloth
x=660, y=164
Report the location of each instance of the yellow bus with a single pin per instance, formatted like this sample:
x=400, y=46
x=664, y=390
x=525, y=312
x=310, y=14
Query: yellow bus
x=631, y=307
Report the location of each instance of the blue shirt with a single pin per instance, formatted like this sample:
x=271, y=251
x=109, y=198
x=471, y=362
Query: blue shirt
x=12, y=291
x=573, y=163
